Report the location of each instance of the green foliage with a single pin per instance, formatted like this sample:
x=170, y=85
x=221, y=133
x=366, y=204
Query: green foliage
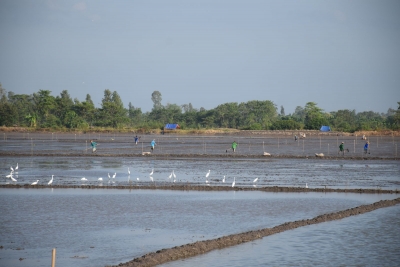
x=286, y=125
x=43, y=110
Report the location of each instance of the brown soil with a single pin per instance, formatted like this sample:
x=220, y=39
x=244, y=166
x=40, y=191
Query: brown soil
x=190, y=187
x=201, y=247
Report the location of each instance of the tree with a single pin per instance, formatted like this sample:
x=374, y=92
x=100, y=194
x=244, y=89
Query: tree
x=314, y=116
x=44, y=103
x=282, y=111
x=112, y=109
x=156, y=98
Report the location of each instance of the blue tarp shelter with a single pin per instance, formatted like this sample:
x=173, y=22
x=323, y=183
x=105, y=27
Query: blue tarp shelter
x=171, y=126
x=325, y=129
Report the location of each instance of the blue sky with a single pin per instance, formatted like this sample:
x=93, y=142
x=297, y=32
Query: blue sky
x=340, y=54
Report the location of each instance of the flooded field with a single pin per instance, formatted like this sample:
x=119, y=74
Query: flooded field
x=338, y=173
x=105, y=227
x=36, y=144
x=100, y=227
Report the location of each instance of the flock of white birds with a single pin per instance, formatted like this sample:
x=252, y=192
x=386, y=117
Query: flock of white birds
x=111, y=179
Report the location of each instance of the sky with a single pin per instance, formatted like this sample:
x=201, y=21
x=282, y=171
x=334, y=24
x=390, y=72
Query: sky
x=339, y=54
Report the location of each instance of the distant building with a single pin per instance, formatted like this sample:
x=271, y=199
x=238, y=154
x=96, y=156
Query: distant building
x=325, y=129
x=171, y=126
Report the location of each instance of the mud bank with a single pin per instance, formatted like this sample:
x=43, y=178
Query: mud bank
x=189, y=187
x=197, y=156
x=201, y=247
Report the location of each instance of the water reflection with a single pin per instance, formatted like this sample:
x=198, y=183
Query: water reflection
x=103, y=227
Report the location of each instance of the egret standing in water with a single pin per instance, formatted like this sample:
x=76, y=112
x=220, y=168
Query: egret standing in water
x=255, y=180
x=223, y=180
x=12, y=169
x=234, y=181
x=100, y=179
x=83, y=179
x=306, y=185
x=173, y=173
x=129, y=172
x=16, y=168
x=13, y=179
x=152, y=171
x=208, y=173
x=35, y=183
x=51, y=181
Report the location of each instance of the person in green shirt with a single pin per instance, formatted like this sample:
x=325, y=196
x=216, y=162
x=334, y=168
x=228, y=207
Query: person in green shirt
x=341, y=148
x=234, y=145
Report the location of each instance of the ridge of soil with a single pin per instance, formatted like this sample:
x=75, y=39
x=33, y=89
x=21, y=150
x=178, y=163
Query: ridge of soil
x=201, y=247
x=190, y=187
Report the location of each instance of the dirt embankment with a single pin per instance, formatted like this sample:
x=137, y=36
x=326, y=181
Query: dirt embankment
x=192, y=187
x=201, y=247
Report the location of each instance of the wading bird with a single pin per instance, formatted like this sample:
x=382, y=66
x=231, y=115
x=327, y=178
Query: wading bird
x=100, y=179
x=208, y=173
x=35, y=183
x=83, y=179
x=255, y=180
x=51, y=181
x=152, y=171
x=129, y=172
x=223, y=180
x=234, y=182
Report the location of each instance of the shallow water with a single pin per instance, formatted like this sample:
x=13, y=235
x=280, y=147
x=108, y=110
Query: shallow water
x=103, y=227
x=370, y=239
x=117, y=144
x=374, y=174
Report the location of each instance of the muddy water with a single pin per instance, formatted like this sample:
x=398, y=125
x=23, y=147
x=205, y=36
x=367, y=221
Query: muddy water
x=36, y=144
x=361, y=240
x=382, y=174
x=104, y=227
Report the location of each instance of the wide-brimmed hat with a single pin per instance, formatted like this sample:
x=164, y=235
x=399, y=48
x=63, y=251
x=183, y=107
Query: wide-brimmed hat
x=342, y=142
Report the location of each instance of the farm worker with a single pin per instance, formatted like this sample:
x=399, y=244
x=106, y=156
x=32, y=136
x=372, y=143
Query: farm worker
x=93, y=144
x=136, y=139
x=153, y=143
x=234, y=145
x=341, y=148
x=366, y=147
x=295, y=138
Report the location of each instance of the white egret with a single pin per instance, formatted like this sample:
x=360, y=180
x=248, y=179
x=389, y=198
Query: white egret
x=173, y=173
x=12, y=169
x=35, y=183
x=51, y=181
x=223, y=180
x=138, y=179
x=208, y=173
x=109, y=177
x=207, y=181
x=13, y=179
x=255, y=180
x=115, y=174
x=100, y=179
x=8, y=176
x=129, y=172
x=170, y=176
x=306, y=185
x=234, y=181
x=83, y=179
x=16, y=168
x=152, y=171
x=151, y=178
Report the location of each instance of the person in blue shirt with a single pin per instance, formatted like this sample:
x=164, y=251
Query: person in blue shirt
x=153, y=143
x=366, y=146
x=93, y=144
x=136, y=139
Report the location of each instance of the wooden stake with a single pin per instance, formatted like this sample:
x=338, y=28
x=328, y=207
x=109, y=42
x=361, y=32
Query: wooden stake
x=53, y=258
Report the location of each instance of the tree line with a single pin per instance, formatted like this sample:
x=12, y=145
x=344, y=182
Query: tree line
x=43, y=110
